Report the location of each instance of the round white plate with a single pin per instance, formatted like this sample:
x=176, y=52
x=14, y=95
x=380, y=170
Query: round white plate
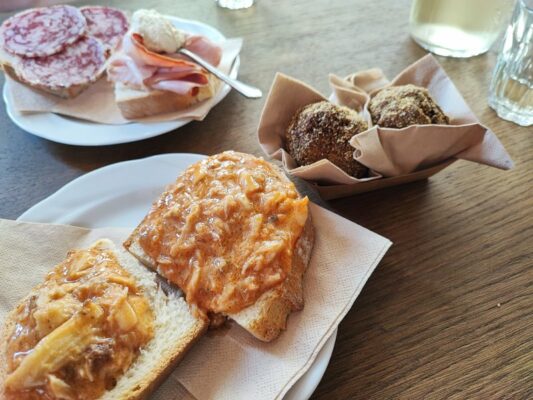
x=119, y=195
x=67, y=130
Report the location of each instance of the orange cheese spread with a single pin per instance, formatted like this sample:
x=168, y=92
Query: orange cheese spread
x=225, y=231
x=79, y=332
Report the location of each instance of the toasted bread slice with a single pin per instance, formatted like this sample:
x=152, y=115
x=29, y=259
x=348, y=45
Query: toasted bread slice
x=135, y=104
x=175, y=332
x=267, y=317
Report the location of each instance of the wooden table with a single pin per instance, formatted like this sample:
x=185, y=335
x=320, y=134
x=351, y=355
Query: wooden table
x=445, y=313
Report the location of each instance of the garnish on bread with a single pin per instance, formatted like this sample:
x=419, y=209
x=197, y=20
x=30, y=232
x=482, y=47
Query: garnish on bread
x=234, y=234
x=150, y=77
x=97, y=327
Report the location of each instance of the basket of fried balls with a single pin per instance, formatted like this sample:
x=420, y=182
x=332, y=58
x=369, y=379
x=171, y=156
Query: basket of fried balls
x=323, y=130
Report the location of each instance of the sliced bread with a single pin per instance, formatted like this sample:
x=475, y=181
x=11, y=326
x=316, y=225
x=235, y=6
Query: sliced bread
x=135, y=104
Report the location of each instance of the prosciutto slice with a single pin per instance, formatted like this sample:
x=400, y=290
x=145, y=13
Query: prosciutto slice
x=138, y=67
x=205, y=48
x=180, y=87
x=124, y=69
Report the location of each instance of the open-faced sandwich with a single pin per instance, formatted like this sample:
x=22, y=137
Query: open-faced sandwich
x=235, y=235
x=98, y=327
x=232, y=233
x=61, y=49
x=151, y=77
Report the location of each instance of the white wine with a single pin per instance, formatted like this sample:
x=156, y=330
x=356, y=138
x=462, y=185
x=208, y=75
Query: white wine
x=458, y=28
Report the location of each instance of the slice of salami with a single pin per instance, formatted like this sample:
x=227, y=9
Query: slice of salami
x=41, y=32
x=106, y=24
x=80, y=63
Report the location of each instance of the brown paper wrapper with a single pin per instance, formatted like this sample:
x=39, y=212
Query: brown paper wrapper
x=231, y=363
x=394, y=156
x=97, y=103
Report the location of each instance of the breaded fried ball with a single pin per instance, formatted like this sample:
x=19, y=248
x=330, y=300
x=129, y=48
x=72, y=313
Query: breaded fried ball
x=401, y=106
x=323, y=130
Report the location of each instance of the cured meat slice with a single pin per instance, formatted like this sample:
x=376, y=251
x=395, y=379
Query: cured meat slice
x=179, y=87
x=106, y=24
x=42, y=32
x=124, y=69
x=79, y=64
x=138, y=67
x=202, y=46
x=149, y=57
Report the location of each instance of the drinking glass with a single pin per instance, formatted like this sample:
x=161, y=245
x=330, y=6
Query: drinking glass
x=511, y=89
x=458, y=28
x=235, y=4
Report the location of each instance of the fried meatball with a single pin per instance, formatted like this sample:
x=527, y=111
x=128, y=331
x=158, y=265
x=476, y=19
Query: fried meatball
x=323, y=130
x=401, y=106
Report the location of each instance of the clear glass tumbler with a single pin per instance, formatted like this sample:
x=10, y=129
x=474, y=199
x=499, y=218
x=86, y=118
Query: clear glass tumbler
x=511, y=89
x=458, y=28
x=235, y=4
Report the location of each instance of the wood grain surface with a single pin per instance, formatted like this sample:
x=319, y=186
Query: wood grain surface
x=448, y=313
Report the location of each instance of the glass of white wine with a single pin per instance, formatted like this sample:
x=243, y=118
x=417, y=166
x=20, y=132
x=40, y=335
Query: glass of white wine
x=511, y=89
x=458, y=28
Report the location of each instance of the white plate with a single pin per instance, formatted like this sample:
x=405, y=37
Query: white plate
x=67, y=130
x=119, y=195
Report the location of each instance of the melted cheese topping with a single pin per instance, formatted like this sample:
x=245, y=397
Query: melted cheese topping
x=80, y=332
x=225, y=231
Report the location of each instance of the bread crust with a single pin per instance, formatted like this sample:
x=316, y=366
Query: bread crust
x=151, y=379
x=267, y=317
x=145, y=104
x=155, y=377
